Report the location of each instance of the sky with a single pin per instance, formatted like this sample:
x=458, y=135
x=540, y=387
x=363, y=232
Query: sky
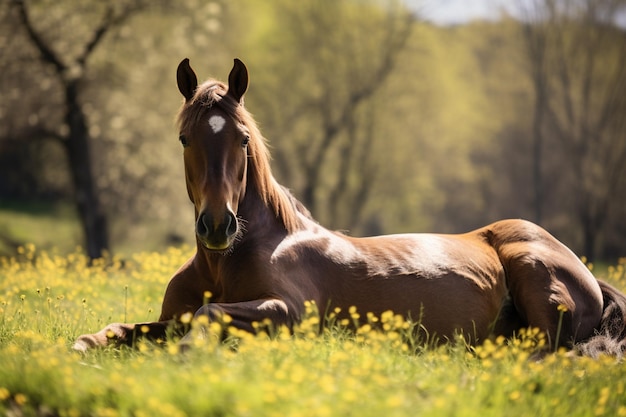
x=460, y=11
x=450, y=12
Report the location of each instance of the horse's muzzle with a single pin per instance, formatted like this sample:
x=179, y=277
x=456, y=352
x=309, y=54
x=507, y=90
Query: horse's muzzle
x=216, y=235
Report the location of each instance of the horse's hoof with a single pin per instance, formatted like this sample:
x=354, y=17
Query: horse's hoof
x=192, y=338
x=84, y=343
x=80, y=346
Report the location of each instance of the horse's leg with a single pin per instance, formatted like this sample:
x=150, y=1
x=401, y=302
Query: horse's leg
x=183, y=295
x=185, y=292
x=122, y=334
x=552, y=290
x=243, y=315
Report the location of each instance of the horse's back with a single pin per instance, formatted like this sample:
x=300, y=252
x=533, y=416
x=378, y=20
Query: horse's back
x=448, y=283
x=547, y=282
x=495, y=279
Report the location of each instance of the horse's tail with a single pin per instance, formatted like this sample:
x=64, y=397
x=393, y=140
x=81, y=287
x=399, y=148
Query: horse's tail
x=610, y=336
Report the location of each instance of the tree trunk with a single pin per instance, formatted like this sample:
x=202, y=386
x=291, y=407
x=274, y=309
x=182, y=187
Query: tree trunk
x=589, y=240
x=538, y=155
x=90, y=212
x=76, y=142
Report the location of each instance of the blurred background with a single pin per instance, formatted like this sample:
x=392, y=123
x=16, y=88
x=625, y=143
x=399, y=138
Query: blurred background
x=383, y=116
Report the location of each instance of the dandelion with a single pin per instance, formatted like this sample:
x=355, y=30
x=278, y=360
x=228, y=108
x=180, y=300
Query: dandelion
x=327, y=371
x=202, y=320
x=366, y=328
x=394, y=400
x=106, y=412
x=186, y=318
x=20, y=399
x=353, y=313
x=349, y=396
x=515, y=395
x=73, y=412
x=451, y=389
x=604, y=396
x=142, y=346
x=327, y=383
x=439, y=402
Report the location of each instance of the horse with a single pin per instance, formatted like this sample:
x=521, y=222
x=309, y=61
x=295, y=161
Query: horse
x=262, y=256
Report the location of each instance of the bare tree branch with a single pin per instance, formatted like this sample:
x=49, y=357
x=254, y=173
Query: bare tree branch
x=110, y=20
x=46, y=52
x=334, y=123
x=583, y=75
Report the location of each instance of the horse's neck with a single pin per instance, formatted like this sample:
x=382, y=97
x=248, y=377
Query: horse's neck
x=259, y=228
x=250, y=254
x=260, y=222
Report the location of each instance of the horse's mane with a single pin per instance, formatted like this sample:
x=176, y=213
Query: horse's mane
x=213, y=93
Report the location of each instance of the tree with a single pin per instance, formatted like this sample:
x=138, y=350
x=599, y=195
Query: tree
x=70, y=69
x=577, y=58
x=536, y=48
x=345, y=52
x=78, y=100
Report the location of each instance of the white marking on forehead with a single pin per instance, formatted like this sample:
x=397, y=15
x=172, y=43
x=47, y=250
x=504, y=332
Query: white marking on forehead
x=217, y=123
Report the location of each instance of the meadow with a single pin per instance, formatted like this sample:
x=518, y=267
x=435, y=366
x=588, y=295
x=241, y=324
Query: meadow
x=47, y=300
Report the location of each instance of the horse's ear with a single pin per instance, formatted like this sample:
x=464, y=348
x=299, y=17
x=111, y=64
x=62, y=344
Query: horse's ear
x=186, y=79
x=238, y=80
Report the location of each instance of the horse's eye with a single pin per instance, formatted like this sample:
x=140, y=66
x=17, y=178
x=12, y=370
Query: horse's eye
x=245, y=141
x=183, y=140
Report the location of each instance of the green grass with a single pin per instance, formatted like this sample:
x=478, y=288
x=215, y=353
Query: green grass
x=50, y=226
x=46, y=301
x=55, y=227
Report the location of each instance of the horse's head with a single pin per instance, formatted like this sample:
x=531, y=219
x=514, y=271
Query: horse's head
x=215, y=152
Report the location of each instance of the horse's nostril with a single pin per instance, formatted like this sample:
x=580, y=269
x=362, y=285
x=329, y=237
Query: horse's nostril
x=216, y=234
x=231, y=224
x=203, y=225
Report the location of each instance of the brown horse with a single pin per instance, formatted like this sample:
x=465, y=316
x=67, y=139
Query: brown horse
x=262, y=256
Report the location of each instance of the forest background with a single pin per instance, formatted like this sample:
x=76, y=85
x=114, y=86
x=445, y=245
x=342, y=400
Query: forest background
x=378, y=121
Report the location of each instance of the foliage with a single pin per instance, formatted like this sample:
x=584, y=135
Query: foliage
x=576, y=61
x=442, y=144
x=330, y=139
x=47, y=300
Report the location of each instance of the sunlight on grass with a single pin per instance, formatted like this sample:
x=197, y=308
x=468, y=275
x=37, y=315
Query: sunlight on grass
x=34, y=223
x=46, y=301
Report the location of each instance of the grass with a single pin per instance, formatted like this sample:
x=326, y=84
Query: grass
x=47, y=300
x=55, y=227
x=38, y=223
